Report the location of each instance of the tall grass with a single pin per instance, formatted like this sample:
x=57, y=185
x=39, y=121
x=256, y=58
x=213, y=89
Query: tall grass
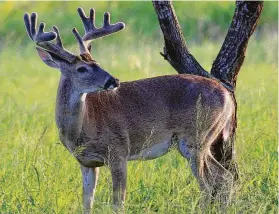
x=38, y=175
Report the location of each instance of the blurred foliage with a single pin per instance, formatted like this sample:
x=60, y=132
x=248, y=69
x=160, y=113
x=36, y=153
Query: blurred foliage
x=199, y=20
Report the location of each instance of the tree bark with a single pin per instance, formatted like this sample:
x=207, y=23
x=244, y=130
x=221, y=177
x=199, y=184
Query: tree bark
x=175, y=50
x=231, y=56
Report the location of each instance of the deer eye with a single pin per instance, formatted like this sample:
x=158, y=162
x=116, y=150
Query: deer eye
x=82, y=70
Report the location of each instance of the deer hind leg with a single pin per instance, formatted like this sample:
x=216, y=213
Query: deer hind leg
x=214, y=174
x=211, y=175
x=215, y=180
x=89, y=177
x=190, y=154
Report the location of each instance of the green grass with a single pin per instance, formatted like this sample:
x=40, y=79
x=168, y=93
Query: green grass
x=38, y=175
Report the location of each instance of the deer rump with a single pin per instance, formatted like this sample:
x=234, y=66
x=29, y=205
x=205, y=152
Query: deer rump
x=141, y=119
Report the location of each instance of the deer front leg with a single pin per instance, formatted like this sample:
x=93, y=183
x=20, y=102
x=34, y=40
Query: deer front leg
x=89, y=178
x=119, y=178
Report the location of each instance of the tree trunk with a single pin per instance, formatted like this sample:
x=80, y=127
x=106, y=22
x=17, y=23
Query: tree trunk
x=175, y=50
x=231, y=56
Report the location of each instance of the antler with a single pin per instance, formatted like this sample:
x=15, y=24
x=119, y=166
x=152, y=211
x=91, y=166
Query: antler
x=43, y=39
x=91, y=32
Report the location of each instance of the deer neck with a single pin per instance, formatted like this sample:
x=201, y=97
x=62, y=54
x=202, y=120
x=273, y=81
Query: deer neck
x=69, y=110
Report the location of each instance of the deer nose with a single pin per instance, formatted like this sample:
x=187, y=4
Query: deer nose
x=111, y=83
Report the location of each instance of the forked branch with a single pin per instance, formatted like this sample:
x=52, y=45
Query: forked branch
x=231, y=56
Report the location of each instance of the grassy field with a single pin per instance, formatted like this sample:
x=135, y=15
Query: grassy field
x=38, y=175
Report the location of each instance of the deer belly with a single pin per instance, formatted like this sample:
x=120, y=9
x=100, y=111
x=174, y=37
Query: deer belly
x=153, y=152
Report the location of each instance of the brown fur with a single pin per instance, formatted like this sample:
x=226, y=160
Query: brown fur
x=165, y=104
x=139, y=114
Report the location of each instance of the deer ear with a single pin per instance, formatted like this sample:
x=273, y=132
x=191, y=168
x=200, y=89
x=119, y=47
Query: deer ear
x=47, y=58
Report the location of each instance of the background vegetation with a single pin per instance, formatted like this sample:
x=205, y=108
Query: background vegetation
x=38, y=175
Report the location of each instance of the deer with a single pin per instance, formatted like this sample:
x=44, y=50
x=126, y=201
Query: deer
x=103, y=122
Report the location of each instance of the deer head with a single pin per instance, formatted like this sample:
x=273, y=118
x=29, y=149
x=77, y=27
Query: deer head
x=84, y=72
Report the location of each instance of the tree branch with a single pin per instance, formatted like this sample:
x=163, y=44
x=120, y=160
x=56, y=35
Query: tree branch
x=175, y=50
x=232, y=53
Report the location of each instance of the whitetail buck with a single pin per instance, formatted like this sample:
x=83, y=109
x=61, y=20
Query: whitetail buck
x=104, y=123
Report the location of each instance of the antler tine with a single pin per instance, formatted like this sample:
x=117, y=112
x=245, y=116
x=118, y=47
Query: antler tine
x=43, y=39
x=91, y=32
x=27, y=23
x=58, y=38
x=82, y=46
x=33, y=19
x=42, y=36
x=88, y=22
x=31, y=24
x=106, y=19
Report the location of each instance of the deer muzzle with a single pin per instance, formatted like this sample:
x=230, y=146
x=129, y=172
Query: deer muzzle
x=111, y=83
